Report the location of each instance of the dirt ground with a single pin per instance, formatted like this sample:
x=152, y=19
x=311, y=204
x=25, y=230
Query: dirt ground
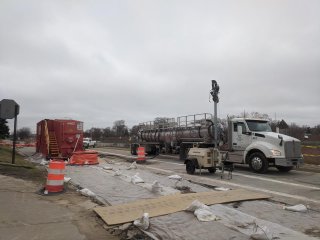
x=26, y=179
x=87, y=221
x=25, y=214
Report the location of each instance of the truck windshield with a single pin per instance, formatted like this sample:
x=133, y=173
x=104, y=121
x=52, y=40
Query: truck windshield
x=258, y=126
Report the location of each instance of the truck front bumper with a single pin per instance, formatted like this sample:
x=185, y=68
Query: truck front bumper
x=288, y=162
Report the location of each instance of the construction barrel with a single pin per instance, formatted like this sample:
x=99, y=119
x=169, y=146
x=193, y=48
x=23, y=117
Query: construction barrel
x=141, y=155
x=55, y=179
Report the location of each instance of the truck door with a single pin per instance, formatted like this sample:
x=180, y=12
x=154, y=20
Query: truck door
x=241, y=138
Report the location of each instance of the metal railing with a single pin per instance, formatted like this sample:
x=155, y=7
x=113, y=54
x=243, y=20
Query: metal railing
x=182, y=122
x=193, y=120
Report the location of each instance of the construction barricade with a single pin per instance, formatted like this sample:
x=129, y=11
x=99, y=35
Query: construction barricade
x=141, y=155
x=55, y=179
x=84, y=158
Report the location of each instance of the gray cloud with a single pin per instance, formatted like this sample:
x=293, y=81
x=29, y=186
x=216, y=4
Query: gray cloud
x=101, y=61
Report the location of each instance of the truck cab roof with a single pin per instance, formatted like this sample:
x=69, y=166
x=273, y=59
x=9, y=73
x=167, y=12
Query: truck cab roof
x=250, y=119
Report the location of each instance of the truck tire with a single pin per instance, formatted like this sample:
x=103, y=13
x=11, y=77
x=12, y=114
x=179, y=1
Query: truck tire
x=153, y=150
x=190, y=167
x=258, y=162
x=133, y=149
x=284, y=168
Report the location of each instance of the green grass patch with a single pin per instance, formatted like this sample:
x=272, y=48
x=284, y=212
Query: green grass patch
x=22, y=168
x=6, y=157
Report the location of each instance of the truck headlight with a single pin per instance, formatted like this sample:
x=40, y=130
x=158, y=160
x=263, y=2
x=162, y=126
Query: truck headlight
x=275, y=152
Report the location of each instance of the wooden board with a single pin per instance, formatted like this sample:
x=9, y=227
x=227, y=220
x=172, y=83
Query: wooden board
x=163, y=205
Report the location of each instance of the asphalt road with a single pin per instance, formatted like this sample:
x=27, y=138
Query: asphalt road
x=294, y=187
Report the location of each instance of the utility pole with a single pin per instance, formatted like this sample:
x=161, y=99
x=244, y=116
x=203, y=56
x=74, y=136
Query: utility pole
x=16, y=111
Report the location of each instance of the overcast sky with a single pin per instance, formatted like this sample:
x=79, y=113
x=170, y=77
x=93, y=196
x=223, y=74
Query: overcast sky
x=102, y=61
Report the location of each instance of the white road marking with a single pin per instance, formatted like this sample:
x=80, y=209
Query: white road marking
x=185, y=176
x=257, y=177
x=277, y=181
x=154, y=160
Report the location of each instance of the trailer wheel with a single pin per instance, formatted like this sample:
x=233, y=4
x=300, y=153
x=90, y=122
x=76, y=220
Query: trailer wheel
x=133, y=149
x=284, y=169
x=190, y=167
x=258, y=162
x=212, y=170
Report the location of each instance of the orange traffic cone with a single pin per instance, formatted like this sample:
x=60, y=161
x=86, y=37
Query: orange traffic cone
x=141, y=155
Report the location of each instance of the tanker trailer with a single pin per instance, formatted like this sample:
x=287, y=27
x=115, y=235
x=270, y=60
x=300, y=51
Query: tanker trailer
x=176, y=136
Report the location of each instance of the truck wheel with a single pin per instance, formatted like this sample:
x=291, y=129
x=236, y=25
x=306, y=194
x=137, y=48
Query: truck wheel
x=212, y=170
x=258, y=162
x=284, y=169
x=190, y=167
x=133, y=150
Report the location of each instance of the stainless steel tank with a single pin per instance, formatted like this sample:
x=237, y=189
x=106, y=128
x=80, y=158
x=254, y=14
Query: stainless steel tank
x=185, y=129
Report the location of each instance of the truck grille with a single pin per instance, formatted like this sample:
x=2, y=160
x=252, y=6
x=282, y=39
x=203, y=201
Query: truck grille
x=292, y=149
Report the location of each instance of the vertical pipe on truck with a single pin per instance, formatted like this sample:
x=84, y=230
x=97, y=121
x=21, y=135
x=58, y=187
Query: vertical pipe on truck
x=215, y=125
x=214, y=93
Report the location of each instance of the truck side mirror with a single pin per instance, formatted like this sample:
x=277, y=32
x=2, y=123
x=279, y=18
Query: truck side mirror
x=239, y=130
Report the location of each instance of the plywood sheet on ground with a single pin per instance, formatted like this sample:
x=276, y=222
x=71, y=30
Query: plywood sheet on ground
x=170, y=204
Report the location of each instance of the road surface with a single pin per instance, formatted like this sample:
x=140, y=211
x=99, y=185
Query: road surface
x=294, y=187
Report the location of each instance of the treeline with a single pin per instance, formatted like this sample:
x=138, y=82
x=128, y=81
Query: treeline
x=120, y=131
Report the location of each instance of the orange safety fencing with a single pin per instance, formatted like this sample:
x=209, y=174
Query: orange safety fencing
x=18, y=145
x=84, y=158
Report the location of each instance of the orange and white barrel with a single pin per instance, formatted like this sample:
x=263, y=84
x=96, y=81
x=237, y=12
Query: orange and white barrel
x=55, y=179
x=141, y=154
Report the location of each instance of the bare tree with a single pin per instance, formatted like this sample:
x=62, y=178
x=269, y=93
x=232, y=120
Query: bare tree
x=24, y=133
x=295, y=131
x=94, y=133
x=120, y=128
x=134, y=130
x=107, y=132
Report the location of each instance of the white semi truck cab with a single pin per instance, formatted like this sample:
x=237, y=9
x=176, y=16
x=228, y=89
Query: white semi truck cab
x=251, y=141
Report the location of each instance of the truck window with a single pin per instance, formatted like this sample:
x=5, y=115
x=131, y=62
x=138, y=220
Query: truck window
x=235, y=126
x=259, y=126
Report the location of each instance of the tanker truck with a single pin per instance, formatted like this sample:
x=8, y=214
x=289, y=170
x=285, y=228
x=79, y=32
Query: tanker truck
x=249, y=141
x=176, y=136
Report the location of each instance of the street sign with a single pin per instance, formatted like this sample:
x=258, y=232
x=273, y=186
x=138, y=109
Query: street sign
x=8, y=109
